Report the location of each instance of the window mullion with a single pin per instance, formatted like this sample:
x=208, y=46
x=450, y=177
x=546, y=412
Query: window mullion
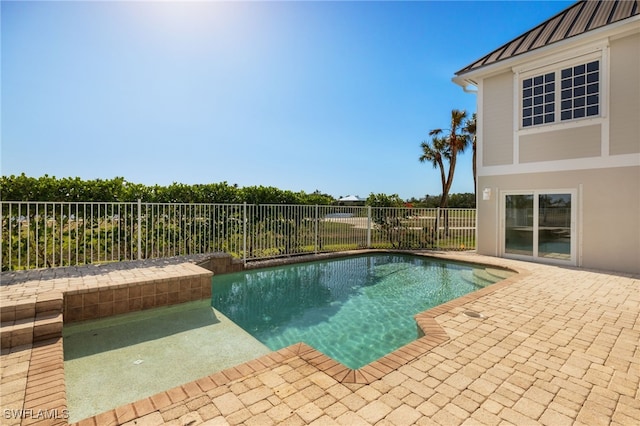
x=558, y=98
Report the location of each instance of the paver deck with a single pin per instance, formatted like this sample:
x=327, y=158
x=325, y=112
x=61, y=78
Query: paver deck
x=554, y=346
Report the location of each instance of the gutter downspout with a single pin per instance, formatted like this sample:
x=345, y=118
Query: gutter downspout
x=466, y=89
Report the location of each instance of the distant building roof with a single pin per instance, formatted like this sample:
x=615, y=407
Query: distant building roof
x=582, y=17
x=352, y=198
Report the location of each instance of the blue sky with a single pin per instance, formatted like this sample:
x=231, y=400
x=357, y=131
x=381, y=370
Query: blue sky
x=302, y=96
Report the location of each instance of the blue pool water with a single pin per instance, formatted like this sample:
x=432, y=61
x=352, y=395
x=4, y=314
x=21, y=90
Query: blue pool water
x=354, y=309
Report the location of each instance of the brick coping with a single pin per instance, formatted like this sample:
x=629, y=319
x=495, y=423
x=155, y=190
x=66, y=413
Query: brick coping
x=45, y=388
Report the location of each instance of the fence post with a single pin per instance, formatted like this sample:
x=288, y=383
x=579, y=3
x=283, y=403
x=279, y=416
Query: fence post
x=244, y=232
x=368, y=226
x=315, y=240
x=438, y=228
x=139, y=229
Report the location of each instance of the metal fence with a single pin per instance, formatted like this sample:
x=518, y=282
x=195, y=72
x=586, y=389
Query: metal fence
x=51, y=234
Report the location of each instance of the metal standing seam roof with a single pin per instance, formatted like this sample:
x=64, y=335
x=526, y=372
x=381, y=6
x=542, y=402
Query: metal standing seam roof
x=582, y=17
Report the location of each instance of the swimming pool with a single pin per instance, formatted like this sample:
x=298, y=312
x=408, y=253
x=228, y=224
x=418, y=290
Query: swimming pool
x=314, y=302
x=355, y=309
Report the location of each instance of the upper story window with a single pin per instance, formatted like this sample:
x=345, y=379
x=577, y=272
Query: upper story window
x=580, y=91
x=538, y=100
x=578, y=95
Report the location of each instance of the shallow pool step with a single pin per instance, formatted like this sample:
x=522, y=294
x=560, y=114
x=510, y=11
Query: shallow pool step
x=31, y=321
x=476, y=277
x=491, y=275
x=500, y=274
x=29, y=330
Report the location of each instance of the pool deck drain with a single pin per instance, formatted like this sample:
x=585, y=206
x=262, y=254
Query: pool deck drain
x=557, y=346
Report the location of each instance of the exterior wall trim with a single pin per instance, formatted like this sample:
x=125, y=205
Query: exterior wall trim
x=552, y=61
x=626, y=160
x=479, y=128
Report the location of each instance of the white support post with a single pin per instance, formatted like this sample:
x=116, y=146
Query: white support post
x=244, y=232
x=315, y=240
x=139, y=229
x=368, y=226
x=438, y=228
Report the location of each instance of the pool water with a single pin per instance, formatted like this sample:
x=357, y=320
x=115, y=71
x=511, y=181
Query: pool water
x=112, y=361
x=354, y=309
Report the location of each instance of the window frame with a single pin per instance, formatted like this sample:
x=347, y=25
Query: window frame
x=530, y=108
x=575, y=226
x=585, y=74
x=556, y=66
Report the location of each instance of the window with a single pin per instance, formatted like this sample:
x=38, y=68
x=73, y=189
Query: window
x=580, y=91
x=578, y=97
x=538, y=100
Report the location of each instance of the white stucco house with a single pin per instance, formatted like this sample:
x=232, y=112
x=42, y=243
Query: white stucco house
x=558, y=140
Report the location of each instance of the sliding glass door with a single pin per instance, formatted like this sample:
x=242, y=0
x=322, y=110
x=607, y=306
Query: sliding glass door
x=539, y=224
x=554, y=226
x=519, y=224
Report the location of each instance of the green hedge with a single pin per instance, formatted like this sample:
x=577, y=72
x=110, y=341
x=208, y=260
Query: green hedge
x=50, y=188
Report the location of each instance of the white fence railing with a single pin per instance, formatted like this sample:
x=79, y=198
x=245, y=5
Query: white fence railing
x=51, y=234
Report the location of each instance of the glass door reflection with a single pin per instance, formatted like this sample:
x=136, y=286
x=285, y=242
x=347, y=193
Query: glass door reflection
x=554, y=226
x=519, y=224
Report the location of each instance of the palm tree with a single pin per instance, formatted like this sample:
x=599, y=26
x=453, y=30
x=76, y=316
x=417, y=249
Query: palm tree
x=447, y=147
x=470, y=129
x=434, y=152
x=455, y=141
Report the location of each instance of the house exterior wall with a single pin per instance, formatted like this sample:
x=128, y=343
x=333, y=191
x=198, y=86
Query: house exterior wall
x=608, y=203
x=625, y=96
x=497, y=127
x=563, y=144
x=598, y=157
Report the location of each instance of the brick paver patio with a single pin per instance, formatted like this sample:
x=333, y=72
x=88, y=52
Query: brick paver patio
x=554, y=346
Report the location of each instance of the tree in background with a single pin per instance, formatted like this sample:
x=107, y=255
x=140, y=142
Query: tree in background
x=470, y=130
x=50, y=188
x=384, y=200
x=465, y=200
x=388, y=219
x=435, y=152
x=447, y=146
